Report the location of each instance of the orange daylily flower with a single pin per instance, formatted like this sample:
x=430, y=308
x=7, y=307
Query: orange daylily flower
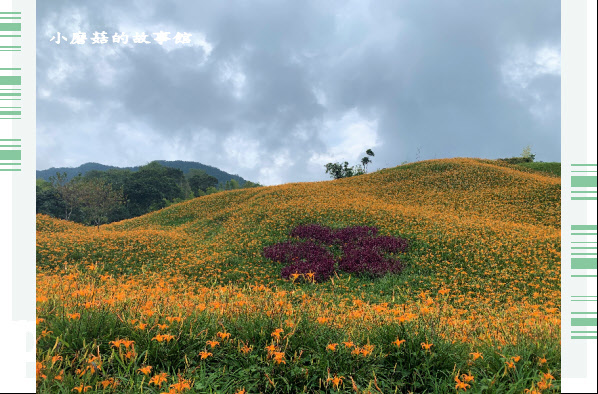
x=213, y=344
x=467, y=377
x=279, y=357
x=336, y=381
x=158, y=379
x=223, y=335
x=398, y=342
x=145, y=370
x=205, y=354
x=81, y=388
x=476, y=355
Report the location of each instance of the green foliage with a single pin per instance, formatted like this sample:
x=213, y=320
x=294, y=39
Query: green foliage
x=550, y=168
x=232, y=185
x=338, y=170
x=527, y=153
x=69, y=191
x=98, y=199
x=199, y=181
x=526, y=157
x=249, y=184
x=308, y=364
x=184, y=166
x=149, y=188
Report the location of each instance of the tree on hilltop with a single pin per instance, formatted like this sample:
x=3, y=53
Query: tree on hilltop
x=338, y=170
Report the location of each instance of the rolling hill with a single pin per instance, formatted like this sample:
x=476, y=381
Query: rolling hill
x=482, y=276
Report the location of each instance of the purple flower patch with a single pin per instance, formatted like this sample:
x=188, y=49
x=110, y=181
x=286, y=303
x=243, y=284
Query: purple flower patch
x=313, y=232
x=364, y=252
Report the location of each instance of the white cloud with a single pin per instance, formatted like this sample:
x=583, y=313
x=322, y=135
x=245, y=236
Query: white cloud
x=243, y=151
x=524, y=66
x=232, y=74
x=346, y=138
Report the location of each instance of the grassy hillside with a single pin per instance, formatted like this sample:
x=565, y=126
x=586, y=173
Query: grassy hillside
x=551, y=168
x=482, y=276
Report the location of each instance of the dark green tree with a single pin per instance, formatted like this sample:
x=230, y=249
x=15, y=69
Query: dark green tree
x=232, y=185
x=151, y=186
x=249, y=184
x=199, y=180
x=338, y=170
x=69, y=191
x=98, y=200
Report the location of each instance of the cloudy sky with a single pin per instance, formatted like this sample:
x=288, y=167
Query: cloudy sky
x=273, y=90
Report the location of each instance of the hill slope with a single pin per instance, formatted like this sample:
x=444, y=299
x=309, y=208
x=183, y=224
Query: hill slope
x=456, y=211
x=482, y=276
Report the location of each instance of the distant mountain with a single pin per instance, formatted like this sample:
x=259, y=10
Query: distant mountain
x=185, y=166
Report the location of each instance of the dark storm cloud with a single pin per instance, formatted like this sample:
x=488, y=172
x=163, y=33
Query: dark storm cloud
x=274, y=90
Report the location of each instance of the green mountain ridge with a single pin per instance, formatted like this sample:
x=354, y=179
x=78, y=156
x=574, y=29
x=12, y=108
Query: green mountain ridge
x=184, y=166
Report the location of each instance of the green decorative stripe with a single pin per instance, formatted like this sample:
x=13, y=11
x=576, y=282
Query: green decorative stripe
x=584, y=247
x=10, y=146
x=583, y=254
x=10, y=112
x=10, y=35
x=9, y=69
x=583, y=181
x=584, y=233
x=10, y=164
x=584, y=198
x=11, y=94
x=585, y=165
x=583, y=313
x=10, y=27
x=11, y=12
x=12, y=139
x=10, y=155
x=583, y=264
x=10, y=80
x=580, y=337
x=583, y=276
x=584, y=332
x=10, y=169
x=584, y=227
x=584, y=322
x=583, y=191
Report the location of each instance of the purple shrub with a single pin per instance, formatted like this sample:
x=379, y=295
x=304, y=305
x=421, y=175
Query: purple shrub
x=314, y=232
x=364, y=252
x=290, y=252
x=381, y=243
x=368, y=261
x=322, y=268
x=354, y=233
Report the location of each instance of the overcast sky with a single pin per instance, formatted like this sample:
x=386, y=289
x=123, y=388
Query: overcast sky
x=273, y=90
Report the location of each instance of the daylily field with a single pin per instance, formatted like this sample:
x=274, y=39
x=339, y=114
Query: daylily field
x=187, y=299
